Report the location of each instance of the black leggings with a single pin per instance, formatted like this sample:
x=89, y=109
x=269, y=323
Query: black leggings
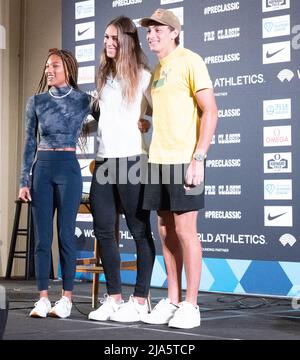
x=106, y=200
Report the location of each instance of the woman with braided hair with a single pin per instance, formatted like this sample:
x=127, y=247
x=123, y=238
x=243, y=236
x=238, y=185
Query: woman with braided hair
x=55, y=117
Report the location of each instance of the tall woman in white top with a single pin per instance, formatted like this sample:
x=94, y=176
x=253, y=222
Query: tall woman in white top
x=123, y=82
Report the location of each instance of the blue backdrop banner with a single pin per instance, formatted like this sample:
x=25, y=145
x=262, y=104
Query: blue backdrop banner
x=250, y=228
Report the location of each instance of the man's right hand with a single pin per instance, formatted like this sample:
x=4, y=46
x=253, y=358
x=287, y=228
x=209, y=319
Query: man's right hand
x=24, y=194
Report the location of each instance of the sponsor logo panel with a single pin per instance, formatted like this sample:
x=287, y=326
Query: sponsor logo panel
x=277, y=136
x=278, y=216
x=85, y=167
x=178, y=11
x=86, y=74
x=84, y=9
x=86, y=186
x=85, y=31
x=277, y=109
x=278, y=162
x=276, y=26
x=85, y=52
x=84, y=218
x=279, y=189
x=277, y=52
x=272, y=5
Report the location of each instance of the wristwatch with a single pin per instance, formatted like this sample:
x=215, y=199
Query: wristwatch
x=199, y=156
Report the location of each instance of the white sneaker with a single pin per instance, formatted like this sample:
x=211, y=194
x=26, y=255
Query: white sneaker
x=131, y=311
x=62, y=308
x=106, y=310
x=41, y=308
x=161, y=313
x=186, y=317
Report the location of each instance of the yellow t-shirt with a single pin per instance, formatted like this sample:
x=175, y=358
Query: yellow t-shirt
x=176, y=120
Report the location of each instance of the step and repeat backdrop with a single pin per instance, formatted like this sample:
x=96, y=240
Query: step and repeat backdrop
x=250, y=227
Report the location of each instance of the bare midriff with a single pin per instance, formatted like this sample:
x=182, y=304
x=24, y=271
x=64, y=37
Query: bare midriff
x=58, y=149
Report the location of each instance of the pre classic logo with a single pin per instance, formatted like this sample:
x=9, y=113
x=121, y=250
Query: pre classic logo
x=221, y=8
x=228, y=138
x=222, y=58
x=221, y=34
x=223, y=190
x=119, y=3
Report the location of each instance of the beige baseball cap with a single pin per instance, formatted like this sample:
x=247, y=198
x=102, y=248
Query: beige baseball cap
x=162, y=16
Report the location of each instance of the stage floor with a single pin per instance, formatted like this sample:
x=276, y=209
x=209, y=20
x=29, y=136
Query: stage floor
x=224, y=317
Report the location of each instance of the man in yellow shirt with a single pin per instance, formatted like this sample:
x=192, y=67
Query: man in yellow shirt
x=184, y=121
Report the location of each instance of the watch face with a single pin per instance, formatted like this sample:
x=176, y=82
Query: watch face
x=198, y=157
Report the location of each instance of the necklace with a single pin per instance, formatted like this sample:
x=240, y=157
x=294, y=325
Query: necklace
x=62, y=96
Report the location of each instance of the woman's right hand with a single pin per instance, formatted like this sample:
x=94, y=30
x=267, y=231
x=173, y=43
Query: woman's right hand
x=24, y=194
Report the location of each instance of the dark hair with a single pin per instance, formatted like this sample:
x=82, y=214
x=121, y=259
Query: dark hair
x=70, y=67
x=177, y=39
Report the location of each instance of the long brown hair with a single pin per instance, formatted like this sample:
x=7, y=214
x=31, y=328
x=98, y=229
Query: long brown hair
x=129, y=61
x=70, y=67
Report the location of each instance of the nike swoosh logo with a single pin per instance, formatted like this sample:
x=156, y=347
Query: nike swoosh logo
x=271, y=54
x=270, y=217
x=84, y=167
x=82, y=32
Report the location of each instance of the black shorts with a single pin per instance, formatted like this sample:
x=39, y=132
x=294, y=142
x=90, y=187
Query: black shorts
x=165, y=190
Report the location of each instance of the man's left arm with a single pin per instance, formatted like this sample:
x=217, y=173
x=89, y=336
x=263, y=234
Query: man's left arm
x=206, y=101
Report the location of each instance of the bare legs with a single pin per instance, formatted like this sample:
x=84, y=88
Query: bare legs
x=181, y=246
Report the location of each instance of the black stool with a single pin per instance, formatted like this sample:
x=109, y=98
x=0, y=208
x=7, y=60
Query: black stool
x=17, y=231
x=26, y=254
